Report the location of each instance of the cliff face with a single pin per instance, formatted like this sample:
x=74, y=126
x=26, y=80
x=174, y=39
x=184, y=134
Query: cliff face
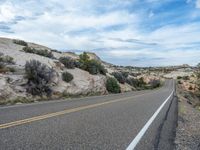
x=13, y=84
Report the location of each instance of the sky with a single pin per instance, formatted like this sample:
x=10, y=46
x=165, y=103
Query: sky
x=122, y=32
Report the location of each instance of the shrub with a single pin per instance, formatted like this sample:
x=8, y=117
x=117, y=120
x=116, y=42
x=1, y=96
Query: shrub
x=125, y=74
x=6, y=59
x=44, y=53
x=190, y=88
x=20, y=42
x=83, y=58
x=92, y=66
x=29, y=50
x=119, y=76
x=95, y=67
x=179, y=77
x=39, y=78
x=9, y=60
x=77, y=64
x=155, y=83
x=179, y=82
x=136, y=82
x=68, y=62
x=112, y=85
x=67, y=77
x=185, y=77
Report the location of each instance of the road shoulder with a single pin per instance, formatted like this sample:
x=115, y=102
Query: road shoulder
x=188, y=130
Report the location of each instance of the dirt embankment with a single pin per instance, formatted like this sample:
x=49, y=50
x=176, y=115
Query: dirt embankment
x=188, y=129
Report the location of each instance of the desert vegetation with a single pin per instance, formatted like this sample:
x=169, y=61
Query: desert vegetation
x=120, y=77
x=67, y=77
x=39, y=78
x=4, y=61
x=41, y=52
x=68, y=62
x=112, y=86
x=137, y=83
x=20, y=42
x=92, y=66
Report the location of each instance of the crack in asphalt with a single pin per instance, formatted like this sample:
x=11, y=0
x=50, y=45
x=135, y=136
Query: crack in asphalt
x=160, y=129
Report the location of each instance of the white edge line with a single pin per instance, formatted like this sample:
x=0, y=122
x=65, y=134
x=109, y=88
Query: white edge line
x=146, y=126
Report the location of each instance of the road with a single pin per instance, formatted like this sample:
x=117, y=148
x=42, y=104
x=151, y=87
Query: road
x=110, y=122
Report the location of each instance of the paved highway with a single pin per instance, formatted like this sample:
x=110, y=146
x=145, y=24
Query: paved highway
x=140, y=120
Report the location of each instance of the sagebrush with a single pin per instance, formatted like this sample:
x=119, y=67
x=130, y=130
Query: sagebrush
x=45, y=53
x=39, y=78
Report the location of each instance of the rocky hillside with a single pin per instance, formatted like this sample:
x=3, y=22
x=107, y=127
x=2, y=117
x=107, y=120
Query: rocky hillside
x=31, y=72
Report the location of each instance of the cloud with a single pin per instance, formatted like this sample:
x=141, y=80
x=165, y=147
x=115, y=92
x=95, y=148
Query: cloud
x=120, y=31
x=7, y=12
x=197, y=3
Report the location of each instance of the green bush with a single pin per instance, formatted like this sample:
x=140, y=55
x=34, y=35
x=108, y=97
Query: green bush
x=125, y=74
x=155, y=83
x=95, y=67
x=29, y=50
x=44, y=53
x=67, y=77
x=119, y=76
x=39, y=78
x=179, y=77
x=112, y=86
x=92, y=66
x=20, y=42
x=179, y=82
x=186, y=78
x=68, y=62
x=83, y=58
x=137, y=83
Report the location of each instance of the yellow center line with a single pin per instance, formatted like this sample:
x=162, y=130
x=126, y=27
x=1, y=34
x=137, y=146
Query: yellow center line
x=67, y=111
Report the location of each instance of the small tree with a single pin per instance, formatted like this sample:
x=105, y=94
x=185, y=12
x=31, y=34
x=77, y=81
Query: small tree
x=67, y=77
x=39, y=78
x=83, y=59
x=112, y=86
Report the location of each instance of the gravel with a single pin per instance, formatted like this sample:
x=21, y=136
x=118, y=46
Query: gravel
x=188, y=129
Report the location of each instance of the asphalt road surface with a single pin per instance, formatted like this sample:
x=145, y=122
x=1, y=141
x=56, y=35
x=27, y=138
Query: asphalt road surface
x=141, y=120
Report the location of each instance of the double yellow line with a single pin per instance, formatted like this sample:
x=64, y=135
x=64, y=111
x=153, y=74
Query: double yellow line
x=50, y=115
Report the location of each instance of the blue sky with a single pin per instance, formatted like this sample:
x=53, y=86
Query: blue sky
x=123, y=32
